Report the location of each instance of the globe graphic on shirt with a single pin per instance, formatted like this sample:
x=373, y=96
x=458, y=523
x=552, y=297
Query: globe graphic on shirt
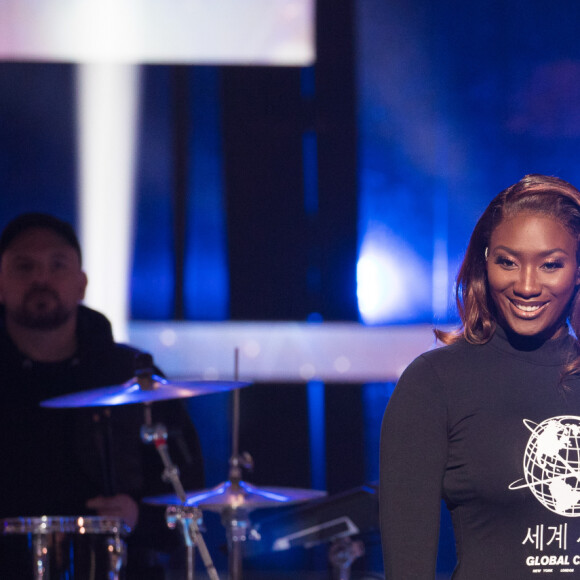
x=552, y=464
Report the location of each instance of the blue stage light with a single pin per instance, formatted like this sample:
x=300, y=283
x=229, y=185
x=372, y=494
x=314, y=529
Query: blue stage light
x=393, y=282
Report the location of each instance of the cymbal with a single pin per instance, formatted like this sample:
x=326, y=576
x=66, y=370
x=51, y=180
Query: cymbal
x=142, y=389
x=240, y=495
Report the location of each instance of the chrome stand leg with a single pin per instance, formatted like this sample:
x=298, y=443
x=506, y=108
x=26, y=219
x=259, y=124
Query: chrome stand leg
x=40, y=549
x=238, y=530
x=116, y=548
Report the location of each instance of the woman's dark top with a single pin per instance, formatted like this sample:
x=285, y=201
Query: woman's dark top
x=489, y=429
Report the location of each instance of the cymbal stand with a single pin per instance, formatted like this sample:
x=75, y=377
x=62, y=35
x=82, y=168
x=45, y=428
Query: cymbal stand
x=236, y=519
x=188, y=517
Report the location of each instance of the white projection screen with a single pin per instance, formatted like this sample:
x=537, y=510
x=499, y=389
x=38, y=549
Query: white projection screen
x=262, y=32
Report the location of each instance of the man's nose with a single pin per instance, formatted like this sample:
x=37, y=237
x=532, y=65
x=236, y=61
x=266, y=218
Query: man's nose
x=40, y=274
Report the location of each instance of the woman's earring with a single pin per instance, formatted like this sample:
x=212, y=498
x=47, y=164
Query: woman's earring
x=485, y=253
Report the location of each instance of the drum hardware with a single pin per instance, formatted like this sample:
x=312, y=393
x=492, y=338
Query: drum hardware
x=141, y=389
x=40, y=550
x=147, y=388
x=117, y=550
x=343, y=552
x=187, y=517
x=234, y=499
x=49, y=546
x=239, y=495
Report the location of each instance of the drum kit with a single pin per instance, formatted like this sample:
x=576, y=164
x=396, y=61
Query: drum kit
x=234, y=499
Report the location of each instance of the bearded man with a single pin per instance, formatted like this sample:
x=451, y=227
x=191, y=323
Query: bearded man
x=83, y=461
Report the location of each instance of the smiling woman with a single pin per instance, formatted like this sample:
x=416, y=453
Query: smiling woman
x=557, y=204
x=490, y=423
x=533, y=274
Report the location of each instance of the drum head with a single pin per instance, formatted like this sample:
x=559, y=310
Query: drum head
x=70, y=525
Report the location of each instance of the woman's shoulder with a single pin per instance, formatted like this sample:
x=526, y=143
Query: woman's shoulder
x=442, y=352
x=439, y=358
x=432, y=375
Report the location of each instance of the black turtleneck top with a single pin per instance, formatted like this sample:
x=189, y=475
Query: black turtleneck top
x=491, y=430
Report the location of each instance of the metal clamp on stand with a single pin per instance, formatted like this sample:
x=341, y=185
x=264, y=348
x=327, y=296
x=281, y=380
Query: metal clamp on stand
x=41, y=563
x=188, y=517
x=343, y=552
x=117, y=551
x=236, y=516
x=182, y=516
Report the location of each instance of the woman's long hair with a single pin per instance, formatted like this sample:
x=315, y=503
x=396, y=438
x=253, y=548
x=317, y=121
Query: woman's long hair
x=534, y=194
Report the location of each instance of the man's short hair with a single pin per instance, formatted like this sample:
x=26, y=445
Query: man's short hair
x=28, y=221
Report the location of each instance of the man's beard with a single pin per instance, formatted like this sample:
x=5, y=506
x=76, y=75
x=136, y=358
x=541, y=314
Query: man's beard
x=41, y=318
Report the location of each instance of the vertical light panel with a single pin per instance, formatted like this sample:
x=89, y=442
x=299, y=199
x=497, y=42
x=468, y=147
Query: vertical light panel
x=107, y=116
x=310, y=168
x=206, y=259
x=316, y=421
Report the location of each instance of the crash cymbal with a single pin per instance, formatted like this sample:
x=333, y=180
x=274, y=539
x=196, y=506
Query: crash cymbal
x=239, y=495
x=145, y=389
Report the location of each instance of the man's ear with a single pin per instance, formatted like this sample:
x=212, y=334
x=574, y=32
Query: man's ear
x=83, y=285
